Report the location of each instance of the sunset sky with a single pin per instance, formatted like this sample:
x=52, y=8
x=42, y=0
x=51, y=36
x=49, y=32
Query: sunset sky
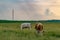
x=30, y=9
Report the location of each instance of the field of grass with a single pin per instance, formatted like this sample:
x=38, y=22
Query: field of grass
x=11, y=31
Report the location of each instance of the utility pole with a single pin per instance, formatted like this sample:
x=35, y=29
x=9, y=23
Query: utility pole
x=12, y=14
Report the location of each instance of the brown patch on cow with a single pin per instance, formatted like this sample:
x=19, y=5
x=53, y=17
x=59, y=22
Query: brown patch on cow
x=39, y=27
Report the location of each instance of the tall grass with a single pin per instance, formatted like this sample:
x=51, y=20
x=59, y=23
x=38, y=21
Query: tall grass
x=11, y=31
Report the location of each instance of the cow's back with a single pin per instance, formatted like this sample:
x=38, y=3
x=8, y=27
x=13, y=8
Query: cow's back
x=26, y=24
x=39, y=26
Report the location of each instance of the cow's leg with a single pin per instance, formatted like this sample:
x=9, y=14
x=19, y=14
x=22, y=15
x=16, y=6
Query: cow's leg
x=41, y=33
x=37, y=32
x=30, y=28
x=21, y=27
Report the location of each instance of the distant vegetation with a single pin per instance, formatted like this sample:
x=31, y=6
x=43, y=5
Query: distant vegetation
x=15, y=21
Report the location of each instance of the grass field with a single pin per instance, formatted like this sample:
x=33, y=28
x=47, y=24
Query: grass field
x=11, y=31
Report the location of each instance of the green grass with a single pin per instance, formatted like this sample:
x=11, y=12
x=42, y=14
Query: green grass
x=11, y=31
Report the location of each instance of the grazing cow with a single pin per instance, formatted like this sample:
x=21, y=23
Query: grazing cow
x=25, y=25
x=39, y=28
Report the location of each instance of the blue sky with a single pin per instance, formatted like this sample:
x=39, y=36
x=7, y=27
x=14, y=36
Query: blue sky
x=29, y=9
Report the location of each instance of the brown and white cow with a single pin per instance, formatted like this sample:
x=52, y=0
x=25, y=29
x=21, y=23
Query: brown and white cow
x=39, y=28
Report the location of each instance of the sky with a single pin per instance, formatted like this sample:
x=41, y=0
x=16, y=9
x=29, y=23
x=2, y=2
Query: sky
x=30, y=9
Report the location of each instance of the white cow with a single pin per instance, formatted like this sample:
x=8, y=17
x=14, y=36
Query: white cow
x=26, y=25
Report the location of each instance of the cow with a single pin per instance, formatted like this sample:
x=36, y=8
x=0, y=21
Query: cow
x=26, y=25
x=39, y=28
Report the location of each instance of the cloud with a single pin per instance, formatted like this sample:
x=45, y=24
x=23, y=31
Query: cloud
x=28, y=9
